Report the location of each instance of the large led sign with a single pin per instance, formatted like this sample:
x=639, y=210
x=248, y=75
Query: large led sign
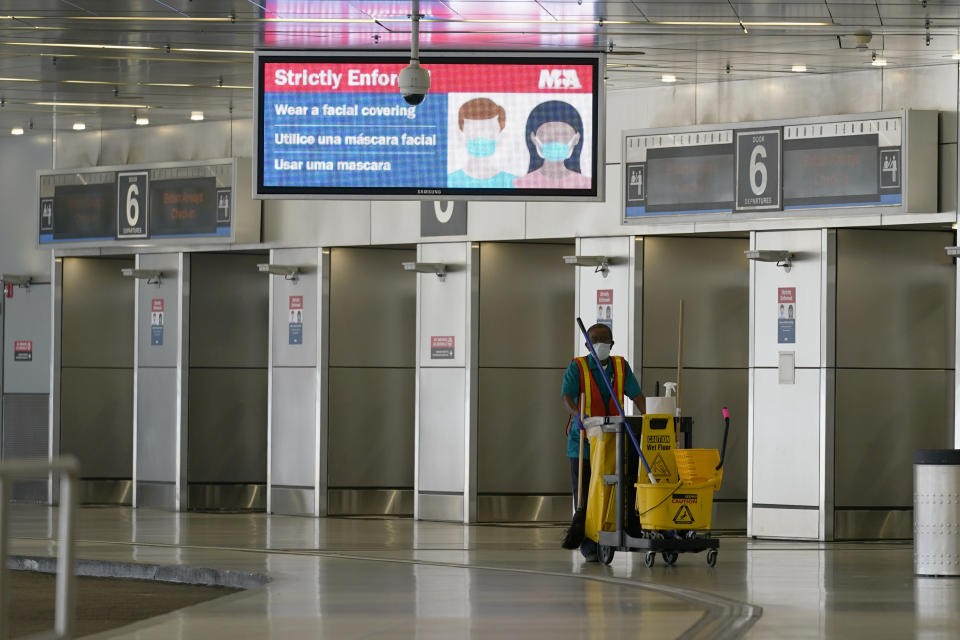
x=493, y=127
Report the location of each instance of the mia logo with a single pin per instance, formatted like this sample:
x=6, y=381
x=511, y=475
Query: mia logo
x=559, y=79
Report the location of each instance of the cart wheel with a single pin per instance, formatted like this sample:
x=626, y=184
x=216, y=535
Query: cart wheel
x=670, y=557
x=605, y=554
x=649, y=558
x=712, y=558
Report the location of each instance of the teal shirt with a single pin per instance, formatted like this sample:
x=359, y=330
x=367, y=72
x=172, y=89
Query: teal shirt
x=571, y=387
x=460, y=179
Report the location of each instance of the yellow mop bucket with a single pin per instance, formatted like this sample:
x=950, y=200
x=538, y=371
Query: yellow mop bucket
x=687, y=504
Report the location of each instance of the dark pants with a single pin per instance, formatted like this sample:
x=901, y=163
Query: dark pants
x=588, y=547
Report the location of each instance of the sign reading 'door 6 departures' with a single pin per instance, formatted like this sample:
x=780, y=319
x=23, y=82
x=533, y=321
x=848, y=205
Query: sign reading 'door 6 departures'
x=513, y=126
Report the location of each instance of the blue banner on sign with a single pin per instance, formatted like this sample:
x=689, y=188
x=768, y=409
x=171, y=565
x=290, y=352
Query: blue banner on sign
x=786, y=331
x=296, y=333
x=156, y=336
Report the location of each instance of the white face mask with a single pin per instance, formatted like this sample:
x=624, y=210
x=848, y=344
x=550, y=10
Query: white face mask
x=603, y=350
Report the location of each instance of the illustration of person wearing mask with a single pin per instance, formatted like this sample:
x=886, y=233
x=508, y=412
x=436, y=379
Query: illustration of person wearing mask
x=554, y=136
x=481, y=123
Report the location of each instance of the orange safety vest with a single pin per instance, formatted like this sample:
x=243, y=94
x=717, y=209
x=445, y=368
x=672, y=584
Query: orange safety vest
x=593, y=400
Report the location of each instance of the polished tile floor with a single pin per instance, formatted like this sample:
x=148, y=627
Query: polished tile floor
x=396, y=578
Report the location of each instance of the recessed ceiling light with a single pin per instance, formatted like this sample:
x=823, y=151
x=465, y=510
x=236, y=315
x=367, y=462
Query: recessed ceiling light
x=16, y=131
x=141, y=121
x=878, y=61
x=196, y=115
x=798, y=68
x=79, y=126
x=668, y=77
x=956, y=55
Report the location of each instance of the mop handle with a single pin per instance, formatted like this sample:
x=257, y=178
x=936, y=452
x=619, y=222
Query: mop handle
x=726, y=430
x=616, y=402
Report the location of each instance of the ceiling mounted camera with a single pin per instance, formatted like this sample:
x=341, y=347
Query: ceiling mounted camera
x=414, y=80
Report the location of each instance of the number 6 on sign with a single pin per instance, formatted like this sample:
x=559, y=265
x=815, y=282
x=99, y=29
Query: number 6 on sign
x=757, y=168
x=758, y=179
x=132, y=205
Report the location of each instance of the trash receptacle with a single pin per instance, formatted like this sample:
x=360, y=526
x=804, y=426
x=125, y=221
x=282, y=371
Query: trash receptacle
x=936, y=512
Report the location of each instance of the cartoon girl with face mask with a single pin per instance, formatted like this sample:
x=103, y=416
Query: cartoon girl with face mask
x=554, y=136
x=481, y=122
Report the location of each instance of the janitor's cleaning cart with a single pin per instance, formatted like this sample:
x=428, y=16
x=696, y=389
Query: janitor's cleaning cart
x=674, y=512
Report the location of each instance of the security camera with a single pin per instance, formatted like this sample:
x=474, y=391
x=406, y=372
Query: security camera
x=414, y=83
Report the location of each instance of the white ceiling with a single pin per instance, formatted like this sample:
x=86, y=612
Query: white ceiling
x=132, y=49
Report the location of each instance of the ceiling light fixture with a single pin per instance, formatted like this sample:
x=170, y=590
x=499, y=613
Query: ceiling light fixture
x=16, y=131
x=188, y=50
x=196, y=116
x=956, y=55
x=164, y=84
x=668, y=77
x=74, y=45
x=878, y=61
x=233, y=86
x=142, y=121
x=106, y=105
x=19, y=80
x=79, y=126
x=798, y=68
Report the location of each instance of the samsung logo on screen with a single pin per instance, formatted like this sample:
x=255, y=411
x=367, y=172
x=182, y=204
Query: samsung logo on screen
x=559, y=79
x=429, y=192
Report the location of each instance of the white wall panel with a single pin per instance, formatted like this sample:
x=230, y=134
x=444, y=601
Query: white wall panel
x=790, y=97
x=618, y=279
x=647, y=108
x=20, y=158
x=314, y=223
x=443, y=303
x=394, y=222
x=305, y=353
x=293, y=435
x=496, y=220
x=442, y=416
x=785, y=523
x=786, y=438
x=805, y=275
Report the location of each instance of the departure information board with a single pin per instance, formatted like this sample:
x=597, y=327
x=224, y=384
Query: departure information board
x=193, y=200
x=509, y=127
x=781, y=166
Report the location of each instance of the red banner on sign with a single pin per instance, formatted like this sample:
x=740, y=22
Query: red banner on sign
x=156, y=305
x=23, y=345
x=787, y=295
x=441, y=342
x=381, y=77
x=604, y=296
x=296, y=302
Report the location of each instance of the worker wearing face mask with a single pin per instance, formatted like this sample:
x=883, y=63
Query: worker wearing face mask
x=481, y=122
x=583, y=379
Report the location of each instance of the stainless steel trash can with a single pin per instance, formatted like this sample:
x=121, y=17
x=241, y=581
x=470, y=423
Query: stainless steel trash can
x=936, y=512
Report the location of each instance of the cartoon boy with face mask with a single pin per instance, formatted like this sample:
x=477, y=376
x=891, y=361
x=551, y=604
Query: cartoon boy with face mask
x=481, y=123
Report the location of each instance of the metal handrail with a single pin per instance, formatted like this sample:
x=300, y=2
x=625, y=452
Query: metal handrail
x=67, y=469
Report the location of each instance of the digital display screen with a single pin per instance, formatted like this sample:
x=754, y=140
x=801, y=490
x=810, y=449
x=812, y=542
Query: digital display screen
x=831, y=171
x=511, y=127
x=84, y=211
x=690, y=179
x=183, y=206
